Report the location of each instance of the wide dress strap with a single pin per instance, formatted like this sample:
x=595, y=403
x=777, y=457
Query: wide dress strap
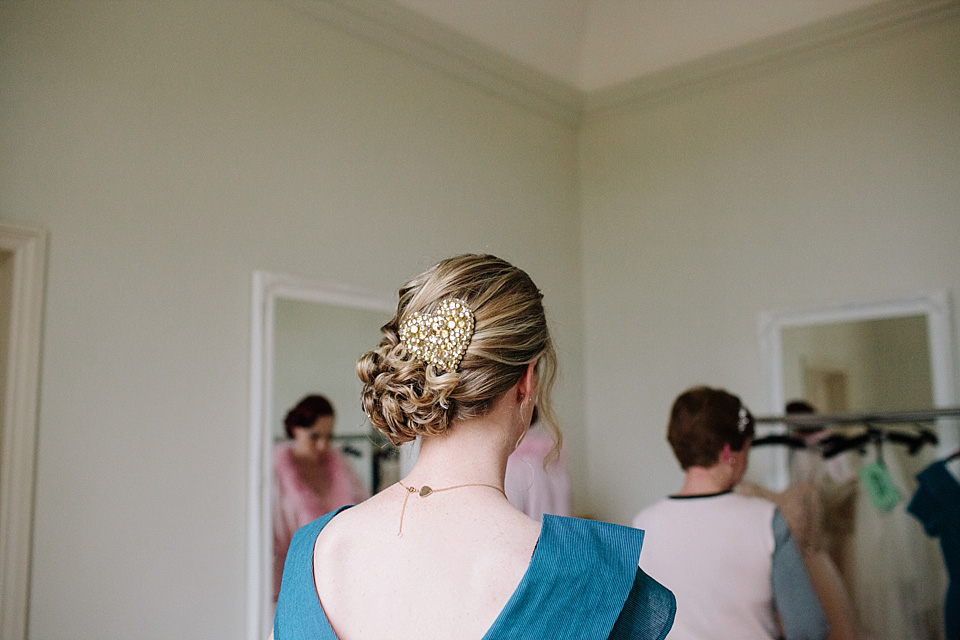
x=299, y=614
x=584, y=583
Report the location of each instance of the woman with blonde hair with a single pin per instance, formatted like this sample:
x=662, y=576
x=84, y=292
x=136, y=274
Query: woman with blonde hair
x=442, y=553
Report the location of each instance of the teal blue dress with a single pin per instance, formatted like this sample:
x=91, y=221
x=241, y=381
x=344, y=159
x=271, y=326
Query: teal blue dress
x=583, y=583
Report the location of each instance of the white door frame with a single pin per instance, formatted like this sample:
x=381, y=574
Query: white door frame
x=18, y=431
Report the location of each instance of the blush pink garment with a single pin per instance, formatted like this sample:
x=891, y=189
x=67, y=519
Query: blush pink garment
x=296, y=504
x=533, y=489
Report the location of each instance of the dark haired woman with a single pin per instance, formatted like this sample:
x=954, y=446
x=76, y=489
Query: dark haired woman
x=730, y=559
x=310, y=477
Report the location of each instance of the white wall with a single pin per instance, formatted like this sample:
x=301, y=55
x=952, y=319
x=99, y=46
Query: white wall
x=172, y=148
x=829, y=179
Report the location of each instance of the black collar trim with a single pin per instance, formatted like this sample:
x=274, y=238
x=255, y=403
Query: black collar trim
x=702, y=495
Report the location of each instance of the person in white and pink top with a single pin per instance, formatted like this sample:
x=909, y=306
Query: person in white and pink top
x=729, y=559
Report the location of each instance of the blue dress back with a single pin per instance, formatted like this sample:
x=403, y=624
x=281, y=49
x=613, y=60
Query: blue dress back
x=583, y=582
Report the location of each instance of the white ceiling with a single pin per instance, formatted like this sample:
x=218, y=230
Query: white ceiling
x=597, y=44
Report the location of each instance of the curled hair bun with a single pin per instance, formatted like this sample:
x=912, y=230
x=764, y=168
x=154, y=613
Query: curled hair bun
x=404, y=397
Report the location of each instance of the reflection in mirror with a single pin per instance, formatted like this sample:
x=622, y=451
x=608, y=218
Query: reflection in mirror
x=883, y=357
x=866, y=365
x=307, y=338
x=323, y=454
x=849, y=344
x=316, y=347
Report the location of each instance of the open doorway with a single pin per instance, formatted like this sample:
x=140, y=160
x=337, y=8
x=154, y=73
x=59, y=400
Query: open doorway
x=6, y=307
x=22, y=261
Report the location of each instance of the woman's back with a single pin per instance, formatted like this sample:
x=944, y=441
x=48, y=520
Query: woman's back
x=582, y=582
x=452, y=572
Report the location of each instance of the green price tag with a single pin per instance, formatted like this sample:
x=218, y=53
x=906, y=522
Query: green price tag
x=876, y=480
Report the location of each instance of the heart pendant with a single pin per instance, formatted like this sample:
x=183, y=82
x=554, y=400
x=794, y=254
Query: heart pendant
x=425, y=491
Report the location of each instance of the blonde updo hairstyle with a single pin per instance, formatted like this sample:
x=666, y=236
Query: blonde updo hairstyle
x=405, y=398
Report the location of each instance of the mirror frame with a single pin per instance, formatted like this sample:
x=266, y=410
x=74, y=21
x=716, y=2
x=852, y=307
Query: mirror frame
x=267, y=289
x=935, y=306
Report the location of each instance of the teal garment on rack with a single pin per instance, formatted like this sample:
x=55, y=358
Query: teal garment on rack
x=936, y=504
x=583, y=583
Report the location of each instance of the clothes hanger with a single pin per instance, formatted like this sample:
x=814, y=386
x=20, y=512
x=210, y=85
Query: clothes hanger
x=351, y=451
x=952, y=464
x=836, y=444
x=914, y=442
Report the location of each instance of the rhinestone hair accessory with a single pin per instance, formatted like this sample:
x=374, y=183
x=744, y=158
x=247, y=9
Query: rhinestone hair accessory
x=440, y=338
x=743, y=419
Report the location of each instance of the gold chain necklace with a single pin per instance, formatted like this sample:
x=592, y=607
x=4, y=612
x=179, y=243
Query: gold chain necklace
x=425, y=491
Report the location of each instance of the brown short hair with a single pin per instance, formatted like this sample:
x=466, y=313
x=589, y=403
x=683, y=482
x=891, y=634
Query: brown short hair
x=702, y=421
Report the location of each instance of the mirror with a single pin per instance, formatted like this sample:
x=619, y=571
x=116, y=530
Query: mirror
x=889, y=356
x=315, y=350
x=306, y=338
x=864, y=365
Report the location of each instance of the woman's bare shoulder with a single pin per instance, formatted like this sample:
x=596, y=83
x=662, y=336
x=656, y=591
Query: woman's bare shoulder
x=456, y=550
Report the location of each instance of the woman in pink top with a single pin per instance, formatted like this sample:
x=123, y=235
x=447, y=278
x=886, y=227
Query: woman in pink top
x=310, y=477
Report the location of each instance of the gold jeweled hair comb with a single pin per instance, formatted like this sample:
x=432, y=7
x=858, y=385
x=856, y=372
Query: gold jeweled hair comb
x=440, y=338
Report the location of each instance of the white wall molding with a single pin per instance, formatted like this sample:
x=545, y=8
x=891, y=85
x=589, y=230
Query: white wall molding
x=19, y=428
x=405, y=31
x=770, y=53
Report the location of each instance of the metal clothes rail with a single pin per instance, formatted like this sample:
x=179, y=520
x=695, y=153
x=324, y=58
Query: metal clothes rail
x=871, y=418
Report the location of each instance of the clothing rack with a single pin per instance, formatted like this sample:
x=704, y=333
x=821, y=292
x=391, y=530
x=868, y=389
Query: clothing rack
x=875, y=418
x=878, y=427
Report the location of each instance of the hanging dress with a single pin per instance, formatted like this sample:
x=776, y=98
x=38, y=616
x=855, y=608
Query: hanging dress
x=936, y=504
x=897, y=575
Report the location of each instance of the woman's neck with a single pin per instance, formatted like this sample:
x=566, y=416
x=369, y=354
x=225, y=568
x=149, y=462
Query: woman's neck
x=701, y=481
x=471, y=451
